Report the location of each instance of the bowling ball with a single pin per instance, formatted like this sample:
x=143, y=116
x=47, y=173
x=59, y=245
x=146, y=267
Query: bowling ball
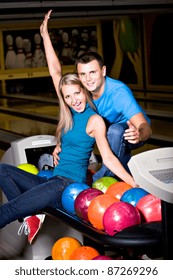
x=83, y=201
x=149, y=207
x=102, y=257
x=104, y=183
x=46, y=173
x=69, y=195
x=133, y=195
x=28, y=168
x=97, y=207
x=90, y=174
x=63, y=248
x=84, y=253
x=118, y=189
x=119, y=216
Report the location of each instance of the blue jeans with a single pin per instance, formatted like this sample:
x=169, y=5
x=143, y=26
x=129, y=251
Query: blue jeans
x=120, y=147
x=28, y=193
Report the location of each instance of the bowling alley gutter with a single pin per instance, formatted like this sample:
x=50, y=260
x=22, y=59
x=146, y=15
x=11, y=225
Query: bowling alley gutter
x=52, y=101
x=30, y=115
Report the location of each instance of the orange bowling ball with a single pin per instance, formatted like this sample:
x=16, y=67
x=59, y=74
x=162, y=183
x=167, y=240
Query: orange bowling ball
x=97, y=208
x=84, y=253
x=63, y=248
x=117, y=189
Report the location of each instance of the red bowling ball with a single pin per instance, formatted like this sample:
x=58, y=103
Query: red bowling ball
x=83, y=200
x=90, y=174
x=102, y=258
x=119, y=216
x=149, y=207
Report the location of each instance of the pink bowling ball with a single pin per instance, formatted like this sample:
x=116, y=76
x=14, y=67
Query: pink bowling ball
x=119, y=216
x=149, y=207
x=83, y=200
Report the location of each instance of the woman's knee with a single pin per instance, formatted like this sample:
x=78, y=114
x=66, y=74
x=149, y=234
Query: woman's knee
x=3, y=168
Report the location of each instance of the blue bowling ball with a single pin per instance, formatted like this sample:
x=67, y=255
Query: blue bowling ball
x=69, y=195
x=46, y=173
x=133, y=195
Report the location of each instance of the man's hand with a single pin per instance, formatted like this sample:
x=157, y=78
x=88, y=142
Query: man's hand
x=55, y=153
x=132, y=134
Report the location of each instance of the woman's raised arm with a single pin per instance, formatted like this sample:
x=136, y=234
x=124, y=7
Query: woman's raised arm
x=53, y=62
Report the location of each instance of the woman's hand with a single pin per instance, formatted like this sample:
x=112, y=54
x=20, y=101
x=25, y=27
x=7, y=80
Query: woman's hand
x=55, y=153
x=43, y=26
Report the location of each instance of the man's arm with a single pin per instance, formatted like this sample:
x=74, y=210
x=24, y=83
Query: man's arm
x=139, y=129
x=144, y=131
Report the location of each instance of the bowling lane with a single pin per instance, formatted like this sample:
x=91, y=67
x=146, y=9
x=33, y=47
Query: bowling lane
x=25, y=126
x=29, y=127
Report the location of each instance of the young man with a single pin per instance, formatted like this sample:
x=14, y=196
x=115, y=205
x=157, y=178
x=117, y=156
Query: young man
x=128, y=125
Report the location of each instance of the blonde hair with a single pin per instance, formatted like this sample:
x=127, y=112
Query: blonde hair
x=65, y=117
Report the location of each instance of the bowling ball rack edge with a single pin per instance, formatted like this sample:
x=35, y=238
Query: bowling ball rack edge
x=142, y=237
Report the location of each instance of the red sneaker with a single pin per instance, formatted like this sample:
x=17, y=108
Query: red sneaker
x=31, y=226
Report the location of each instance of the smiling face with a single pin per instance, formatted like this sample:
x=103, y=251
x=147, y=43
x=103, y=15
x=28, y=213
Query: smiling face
x=75, y=97
x=92, y=77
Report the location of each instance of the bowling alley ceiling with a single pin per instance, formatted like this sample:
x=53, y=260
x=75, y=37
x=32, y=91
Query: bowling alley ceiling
x=15, y=10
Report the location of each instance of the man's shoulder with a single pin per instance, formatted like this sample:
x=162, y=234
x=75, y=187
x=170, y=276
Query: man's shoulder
x=115, y=85
x=110, y=80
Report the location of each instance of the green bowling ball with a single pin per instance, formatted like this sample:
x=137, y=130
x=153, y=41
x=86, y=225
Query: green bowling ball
x=28, y=168
x=104, y=183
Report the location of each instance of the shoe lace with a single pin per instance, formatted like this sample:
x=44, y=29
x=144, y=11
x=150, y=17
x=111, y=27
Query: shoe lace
x=24, y=228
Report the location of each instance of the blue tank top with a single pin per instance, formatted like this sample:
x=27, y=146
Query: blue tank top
x=76, y=148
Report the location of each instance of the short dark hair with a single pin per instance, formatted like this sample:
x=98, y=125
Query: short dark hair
x=88, y=57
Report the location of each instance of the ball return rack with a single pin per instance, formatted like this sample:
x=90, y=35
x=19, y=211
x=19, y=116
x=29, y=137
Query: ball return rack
x=153, y=171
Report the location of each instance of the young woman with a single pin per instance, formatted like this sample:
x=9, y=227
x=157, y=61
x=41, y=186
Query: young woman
x=78, y=128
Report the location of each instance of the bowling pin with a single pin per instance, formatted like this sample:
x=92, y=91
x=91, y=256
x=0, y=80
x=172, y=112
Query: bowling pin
x=20, y=57
x=84, y=41
x=93, y=45
x=74, y=43
x=39, y=58
x=10, y=58
x=28, y=53
x=66, y=53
